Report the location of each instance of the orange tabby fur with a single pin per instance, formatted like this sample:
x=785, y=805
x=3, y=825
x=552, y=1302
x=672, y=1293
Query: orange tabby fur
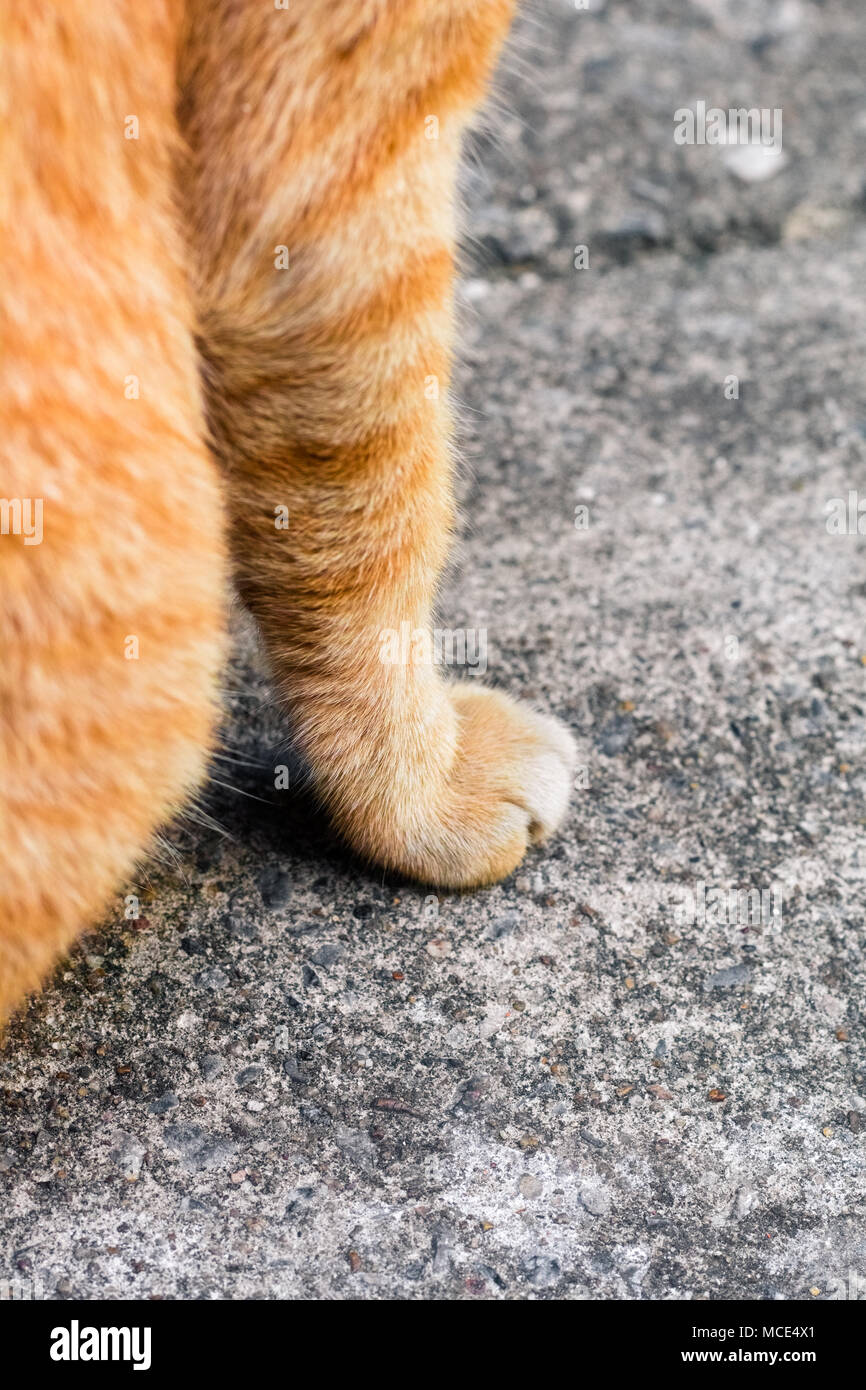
x=156, y=258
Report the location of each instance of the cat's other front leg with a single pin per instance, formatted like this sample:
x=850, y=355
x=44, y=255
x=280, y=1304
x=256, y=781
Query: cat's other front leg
x=322, y=213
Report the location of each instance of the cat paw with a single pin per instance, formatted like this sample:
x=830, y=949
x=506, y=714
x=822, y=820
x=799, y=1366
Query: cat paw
x=508, y=788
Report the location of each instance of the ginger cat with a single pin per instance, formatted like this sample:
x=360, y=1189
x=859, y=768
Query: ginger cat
x=227, y=244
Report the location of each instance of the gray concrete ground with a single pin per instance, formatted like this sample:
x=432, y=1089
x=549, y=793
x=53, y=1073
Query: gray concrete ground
x=291, y=1077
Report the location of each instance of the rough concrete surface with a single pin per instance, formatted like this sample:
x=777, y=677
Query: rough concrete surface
x=291, y=1077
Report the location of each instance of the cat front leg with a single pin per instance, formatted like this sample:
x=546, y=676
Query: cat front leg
x=322, y=210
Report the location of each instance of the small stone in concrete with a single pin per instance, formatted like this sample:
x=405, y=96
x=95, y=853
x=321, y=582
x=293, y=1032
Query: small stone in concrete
x=731, y=975
x=162, y=1104
x=275, y=886
x=250, y=1076
x=213, y=979
x=530, y=1186
x=328, y=954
